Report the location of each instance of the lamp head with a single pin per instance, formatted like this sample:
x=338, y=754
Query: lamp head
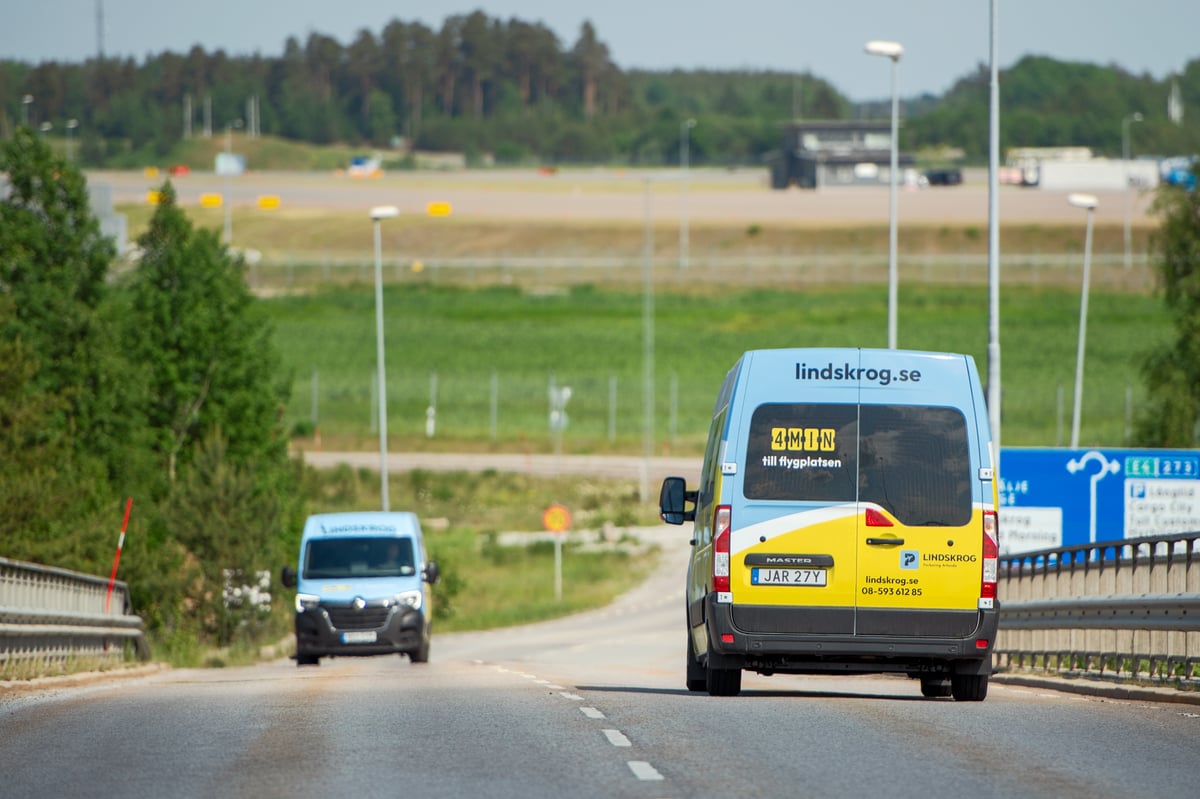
x=892, y=50
x=1087, y=201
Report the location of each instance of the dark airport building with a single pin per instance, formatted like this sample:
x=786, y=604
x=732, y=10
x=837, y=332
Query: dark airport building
x=835, y=153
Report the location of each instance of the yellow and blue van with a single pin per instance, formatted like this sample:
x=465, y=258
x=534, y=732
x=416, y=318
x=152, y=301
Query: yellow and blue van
x=845, y=522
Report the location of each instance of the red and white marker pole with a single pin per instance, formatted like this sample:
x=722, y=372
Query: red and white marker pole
x=116, y=560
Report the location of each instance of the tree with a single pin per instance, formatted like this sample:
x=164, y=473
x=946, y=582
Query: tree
x=209, y=353
x=480, y=44
x=364, y=65
x=54, y=264
x=381, y=122
x=216, y=397
x=591, y=57
x=1172, y=373
x=230, y=524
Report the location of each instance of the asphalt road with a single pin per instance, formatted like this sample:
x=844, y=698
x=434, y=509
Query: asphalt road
x=588, y=706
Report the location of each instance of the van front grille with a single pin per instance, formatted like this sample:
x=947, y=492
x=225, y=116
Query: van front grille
x=350, y=618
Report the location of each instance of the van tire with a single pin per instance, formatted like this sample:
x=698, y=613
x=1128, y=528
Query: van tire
x=722, y=682
x=969, y=687
x=697, y=675
x=308, y=660
x=421, y=653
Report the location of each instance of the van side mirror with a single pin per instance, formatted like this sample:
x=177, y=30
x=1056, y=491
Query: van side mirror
x=673, y=499
x=431, y=574
x=288, y=577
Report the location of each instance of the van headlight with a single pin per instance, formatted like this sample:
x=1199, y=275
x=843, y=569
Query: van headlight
x=307, y=602
x=410, y=599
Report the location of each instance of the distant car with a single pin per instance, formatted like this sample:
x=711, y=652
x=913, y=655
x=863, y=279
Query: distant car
x=944, y=177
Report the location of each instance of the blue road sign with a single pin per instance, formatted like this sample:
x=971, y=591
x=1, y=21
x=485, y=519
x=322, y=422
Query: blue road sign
x=1062, y=497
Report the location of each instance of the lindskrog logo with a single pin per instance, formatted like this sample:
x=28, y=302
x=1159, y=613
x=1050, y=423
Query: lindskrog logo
x=856, y=374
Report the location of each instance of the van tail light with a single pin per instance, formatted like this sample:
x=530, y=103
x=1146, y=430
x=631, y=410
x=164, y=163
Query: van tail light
x=721, y=549
x=991, y=555
x=875, y=518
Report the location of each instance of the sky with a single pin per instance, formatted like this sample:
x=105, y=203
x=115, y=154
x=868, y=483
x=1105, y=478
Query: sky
x=943, y=40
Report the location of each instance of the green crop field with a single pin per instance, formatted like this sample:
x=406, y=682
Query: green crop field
x=485, y=357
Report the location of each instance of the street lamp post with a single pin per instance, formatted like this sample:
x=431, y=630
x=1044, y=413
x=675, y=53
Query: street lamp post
x=227, y=200
x=378, y=214
x=1134, y=117
x=71, y=125
x=993, y=350
x=1087, y=201
x=684, y=128
x=892, y=50
x=26, y=101
x=647, y=340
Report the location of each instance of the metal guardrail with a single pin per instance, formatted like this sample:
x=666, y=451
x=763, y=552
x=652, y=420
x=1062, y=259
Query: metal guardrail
x=49, y=616
x=1127, y=608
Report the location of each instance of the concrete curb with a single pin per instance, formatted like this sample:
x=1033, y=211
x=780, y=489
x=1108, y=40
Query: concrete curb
x=1087, y=686
x=11, y=687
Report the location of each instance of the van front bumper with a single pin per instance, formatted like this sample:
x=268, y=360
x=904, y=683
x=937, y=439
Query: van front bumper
x=374, y=629
x=828, y=652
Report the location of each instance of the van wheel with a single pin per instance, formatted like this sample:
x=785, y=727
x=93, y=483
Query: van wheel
x=421, y=653
x=934, y=687
x=307, y=660
x=722, y=682
x=697, y=675
x=969, y=687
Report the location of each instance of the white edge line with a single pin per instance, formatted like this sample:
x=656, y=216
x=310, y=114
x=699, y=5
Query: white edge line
x=616, y=738
x=643, y=770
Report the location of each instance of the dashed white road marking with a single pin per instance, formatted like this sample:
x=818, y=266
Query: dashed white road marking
x=571, y=696
x=591, y=712
x=616, y=738
x=643, y=770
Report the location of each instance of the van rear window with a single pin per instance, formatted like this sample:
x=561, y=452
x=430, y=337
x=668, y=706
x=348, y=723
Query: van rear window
x=913, y=461
x=339, y=558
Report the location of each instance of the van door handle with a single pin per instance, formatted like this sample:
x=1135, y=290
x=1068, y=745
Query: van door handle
x=871, y=542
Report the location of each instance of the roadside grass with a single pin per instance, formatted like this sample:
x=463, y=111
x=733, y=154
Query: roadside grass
x=306, y=237
x=486, y=357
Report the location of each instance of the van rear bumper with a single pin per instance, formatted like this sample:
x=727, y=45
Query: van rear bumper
x=838, y=653
x=401, y=631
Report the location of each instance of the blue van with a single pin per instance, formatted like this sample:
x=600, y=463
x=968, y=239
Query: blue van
x=845, y=522
x=362, y=587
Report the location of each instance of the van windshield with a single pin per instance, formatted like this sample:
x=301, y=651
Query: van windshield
x=913, y=461
x=336, y=558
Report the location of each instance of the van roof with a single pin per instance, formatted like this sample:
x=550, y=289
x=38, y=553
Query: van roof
x=906, y=376
x=358, y=523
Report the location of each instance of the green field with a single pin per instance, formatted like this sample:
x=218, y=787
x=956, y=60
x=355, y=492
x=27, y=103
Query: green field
x=514, y=342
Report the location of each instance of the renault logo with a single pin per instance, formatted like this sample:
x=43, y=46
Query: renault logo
x=359, y=603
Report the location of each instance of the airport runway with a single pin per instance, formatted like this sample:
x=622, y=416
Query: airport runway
x=616, y=195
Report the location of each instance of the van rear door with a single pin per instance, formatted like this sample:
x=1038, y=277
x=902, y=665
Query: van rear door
x=796, y=524
x=861, y=504
x=920, y=535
